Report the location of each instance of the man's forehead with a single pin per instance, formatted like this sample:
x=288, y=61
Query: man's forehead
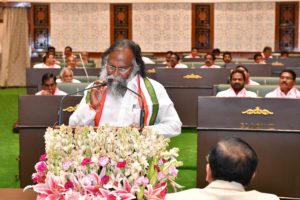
x=121, y=55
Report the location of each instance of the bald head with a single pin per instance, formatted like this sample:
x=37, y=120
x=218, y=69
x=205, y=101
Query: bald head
x=233, y=159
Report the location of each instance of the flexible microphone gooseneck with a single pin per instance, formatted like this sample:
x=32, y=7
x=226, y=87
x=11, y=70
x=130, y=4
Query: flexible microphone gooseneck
x=142, y=114
x=84, y=68
x=60, y=112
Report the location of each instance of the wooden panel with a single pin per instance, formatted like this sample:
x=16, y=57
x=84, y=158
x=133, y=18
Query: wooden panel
x=286, y=35
x=121, y=22
x=40, y=26
x=202, y=26
x=275, y=139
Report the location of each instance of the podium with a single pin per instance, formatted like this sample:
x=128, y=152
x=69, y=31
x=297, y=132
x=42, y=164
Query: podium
x=270, y=126
x=36, y=113
x=185, y=85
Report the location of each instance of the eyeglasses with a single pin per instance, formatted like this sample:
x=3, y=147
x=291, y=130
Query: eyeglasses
x=121, y=70
x=286, y=77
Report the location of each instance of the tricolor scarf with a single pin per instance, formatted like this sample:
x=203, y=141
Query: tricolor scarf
x=146, y=90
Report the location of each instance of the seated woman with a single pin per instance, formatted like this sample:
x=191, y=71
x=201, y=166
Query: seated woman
x=66, y=76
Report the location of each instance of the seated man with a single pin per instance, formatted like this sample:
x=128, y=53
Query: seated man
x=237, y=83
x=49, y=86
x=247, y=74
x=267, y=52
x=193, y=54
x=68, y=52
x=230, y=167
x=284, y=54
x=66, y=76
x=71, y=62
x=167, y=58
x=48, y=62
x=286, y=87
x=258, y=59
x=114, y=104
x=217, y=53
x=175, y=62
x=210, y=61
x=227, y=58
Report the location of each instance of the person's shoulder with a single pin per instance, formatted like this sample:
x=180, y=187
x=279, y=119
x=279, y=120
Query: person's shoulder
x=190, y=194
x=263, y=196
x=223, y=93
x=251, y=94
x=155, y=83
x=271, y=94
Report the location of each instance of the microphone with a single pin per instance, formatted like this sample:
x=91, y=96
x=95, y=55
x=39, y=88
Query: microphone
x=142, y=114
x=84, y=68
x=60, y=112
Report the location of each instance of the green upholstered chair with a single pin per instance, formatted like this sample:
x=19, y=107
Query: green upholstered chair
x=72, y=87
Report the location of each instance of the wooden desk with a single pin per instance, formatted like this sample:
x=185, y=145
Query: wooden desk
x=275, y=137
x=185, y=85
x=17, y=194
x=36, y=113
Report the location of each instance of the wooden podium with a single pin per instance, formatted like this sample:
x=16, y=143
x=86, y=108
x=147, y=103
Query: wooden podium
x=36, y=113
x=270, y=126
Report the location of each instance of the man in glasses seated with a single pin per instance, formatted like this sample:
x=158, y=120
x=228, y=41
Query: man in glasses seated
x=286, y=87
x=114, y=104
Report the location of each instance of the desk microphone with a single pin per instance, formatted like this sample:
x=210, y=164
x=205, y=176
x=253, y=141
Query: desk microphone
x=60, y=112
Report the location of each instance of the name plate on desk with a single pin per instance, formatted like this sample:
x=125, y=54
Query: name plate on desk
x=248, y=113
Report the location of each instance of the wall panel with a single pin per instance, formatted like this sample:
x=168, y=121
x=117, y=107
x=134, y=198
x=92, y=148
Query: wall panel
x=162, y=27
x=244, y=26
x=84, y=27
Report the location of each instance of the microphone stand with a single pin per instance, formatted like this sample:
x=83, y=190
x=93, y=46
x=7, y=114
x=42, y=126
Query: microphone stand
x=142, y=114
x=60, y=112
x=84, y=68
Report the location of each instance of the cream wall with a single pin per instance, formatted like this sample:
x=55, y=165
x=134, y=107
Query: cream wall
x=162, y=27
x=244, y=26
x=84, y=27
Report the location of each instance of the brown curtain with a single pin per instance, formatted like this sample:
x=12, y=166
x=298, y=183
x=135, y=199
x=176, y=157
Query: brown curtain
x=15, y=47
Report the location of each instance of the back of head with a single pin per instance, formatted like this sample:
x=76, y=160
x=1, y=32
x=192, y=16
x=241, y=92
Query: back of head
x=136, y=50
x=233, y=159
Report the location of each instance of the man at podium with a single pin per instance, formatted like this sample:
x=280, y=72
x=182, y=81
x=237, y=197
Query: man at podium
x=115, y=104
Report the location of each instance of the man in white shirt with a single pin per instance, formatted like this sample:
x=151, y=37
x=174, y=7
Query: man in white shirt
x=49, y=86
x=210, y=61
x=175, y=62
x=66, y=76
x=230, y=167
x=286, y=87
x=122, y=66
x=247, y=74
x=48, y=62
x=237, y=86
x=193, y=54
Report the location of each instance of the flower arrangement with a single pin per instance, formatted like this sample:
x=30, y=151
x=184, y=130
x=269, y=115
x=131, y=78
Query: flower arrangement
x=109, y=163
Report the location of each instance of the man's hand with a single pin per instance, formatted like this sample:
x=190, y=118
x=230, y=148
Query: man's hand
x=46, y=93
x=96, y=95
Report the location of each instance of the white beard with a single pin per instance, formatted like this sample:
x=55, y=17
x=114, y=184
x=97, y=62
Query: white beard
x=118, y=85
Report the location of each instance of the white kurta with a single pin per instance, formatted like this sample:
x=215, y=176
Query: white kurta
x=277, y=93
x=124, y=111
x=44, y=66
x=231, y=93
x=221, y=190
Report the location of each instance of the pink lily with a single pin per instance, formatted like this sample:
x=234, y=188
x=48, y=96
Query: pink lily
x=157, y=193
